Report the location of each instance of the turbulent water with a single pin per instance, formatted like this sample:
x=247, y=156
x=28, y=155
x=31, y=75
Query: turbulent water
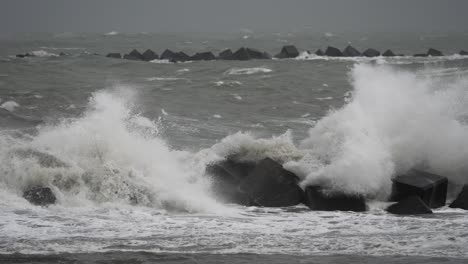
x=124, y=145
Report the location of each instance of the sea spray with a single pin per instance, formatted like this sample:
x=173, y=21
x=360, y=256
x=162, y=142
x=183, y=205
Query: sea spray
x=395, y=121
x=112, y=154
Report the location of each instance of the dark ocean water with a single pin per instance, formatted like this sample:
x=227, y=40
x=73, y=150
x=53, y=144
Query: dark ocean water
x=125, y=129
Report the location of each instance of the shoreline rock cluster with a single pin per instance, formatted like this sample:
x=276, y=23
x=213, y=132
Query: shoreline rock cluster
x=243, y=54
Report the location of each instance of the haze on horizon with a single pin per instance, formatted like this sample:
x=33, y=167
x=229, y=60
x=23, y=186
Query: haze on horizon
x=26, y=16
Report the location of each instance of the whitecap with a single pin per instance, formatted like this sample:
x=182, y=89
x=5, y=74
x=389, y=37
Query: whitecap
x=247, y=71
x=9, y=105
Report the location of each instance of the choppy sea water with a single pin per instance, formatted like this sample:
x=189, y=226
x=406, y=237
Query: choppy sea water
x=102, y=131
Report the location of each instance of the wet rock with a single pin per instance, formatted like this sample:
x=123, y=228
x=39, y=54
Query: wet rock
x=431, y=188
x=39, y=195
x=411, y=205
x=319, y=52
x=463, y=53
x=388, y=53
x=225, y=55
x=248, y=54
x=25, y=55
x=371, y=53
x=174, y=56
x=114, y=55
x=289, y=51
x=203, y=56
x=133, y=55
x=270, y=185
x=316, y=199
x=434, y=53
x=149, y=55
x=333, y=52
x=462, y=199
x=350, y=51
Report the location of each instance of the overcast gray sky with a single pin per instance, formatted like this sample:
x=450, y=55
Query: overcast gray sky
x=232, y=15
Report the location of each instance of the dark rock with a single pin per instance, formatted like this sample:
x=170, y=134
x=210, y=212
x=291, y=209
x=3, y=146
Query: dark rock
x=24, y=55
x=114, y=55
x=174, y=56
x=39, y=195
x=289, y=51
x=225, y=55
x=462, y=199
x=420, y=55
x=270, y=185
x=411, y=205
x=149, y=55
x=333, y=52
x=134, y=55
x=226, y=177
x=266, y=56
x=315, y=199
x=248, y=54
x=431, y=188
x=319, y=52
x=463, y=53
x=388, y=53
x=62, y=54
x=350, y=51
x=434, y=53
x=130, y=57
x=371, y=53
x=203, y=56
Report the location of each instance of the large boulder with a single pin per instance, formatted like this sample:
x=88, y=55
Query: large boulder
x=333, y=52
x=226, y=177
x=249, y=54
x=431, y=188
x=39, y=195
x=149, y=55
x=388, y=53
x=319, y=52
x=289, y=51
x=174, y=56
x=463, y=52
x=371, y=53
x=203, y=56
x=462, y=199
x=225, y=55
x=133, y=55
x=350, y=51
x=411, y=205
x=270, y=185
x=434, y=53
x=317, y=199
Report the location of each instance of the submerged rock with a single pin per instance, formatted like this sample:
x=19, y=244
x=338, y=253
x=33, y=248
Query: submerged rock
x=225, y=55
x=39, y=195
x=411, y=205
x=249, y=54
x=24, y=55
x=333, y=52
x=462, y=199
x=316, y=199
x=114, y=55
x=289, y=51
x=431, y=188
x=388, y=53
x=371, y=53
x=319, y=52
x=350, y=51
x=203, y=56
x=149, y=55
x=270, y=185
x=434, y=53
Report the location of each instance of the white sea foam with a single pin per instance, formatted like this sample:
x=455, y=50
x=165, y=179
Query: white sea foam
x=43, y=53
x=112, y=33
x=9, y=105
x=163, y=79
x=111, y=154
x=228, y=83
x=247, y=71
x=395, y=121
